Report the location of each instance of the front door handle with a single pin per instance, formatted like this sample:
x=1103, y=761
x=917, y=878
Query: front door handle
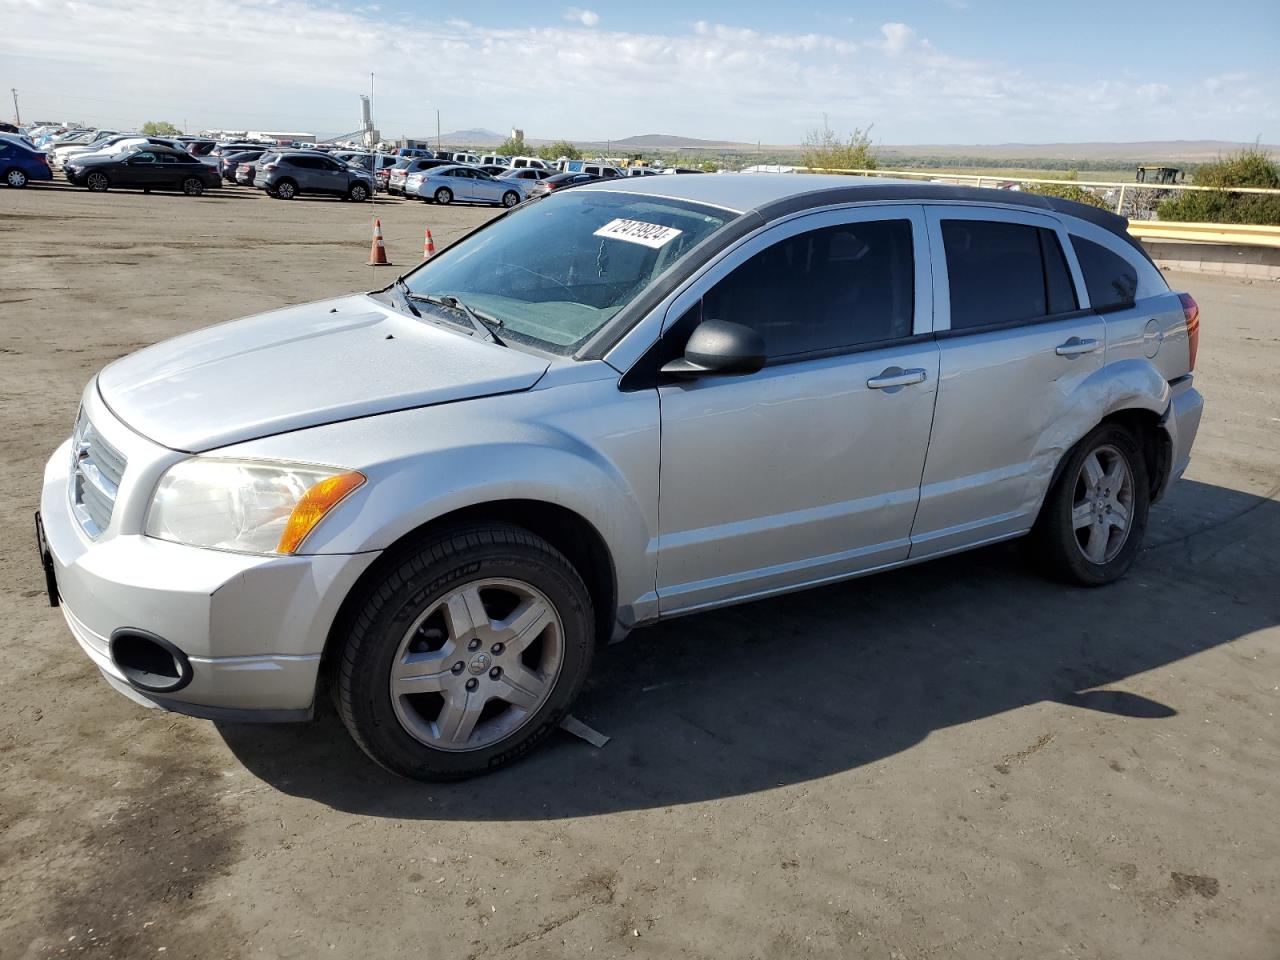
x=892, y=377
x=1076, y=346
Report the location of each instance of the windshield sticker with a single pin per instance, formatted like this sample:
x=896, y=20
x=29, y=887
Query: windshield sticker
x=637, y=231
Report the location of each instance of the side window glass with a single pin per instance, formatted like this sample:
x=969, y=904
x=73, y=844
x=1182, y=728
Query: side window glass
x=1059, y=290
x=1111, y=280
x=836, y=287
x=997, y=273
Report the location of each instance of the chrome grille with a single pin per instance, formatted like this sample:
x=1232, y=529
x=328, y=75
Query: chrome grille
x=96, y=469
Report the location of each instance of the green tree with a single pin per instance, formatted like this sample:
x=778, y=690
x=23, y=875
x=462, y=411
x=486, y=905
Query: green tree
x=824, y=149
x=511, y=147
x=1250, y=167
x=159, y=128
x=561, y=148
x=1069, y=191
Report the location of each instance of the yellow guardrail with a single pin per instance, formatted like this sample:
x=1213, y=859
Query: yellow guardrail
x=1238, y=233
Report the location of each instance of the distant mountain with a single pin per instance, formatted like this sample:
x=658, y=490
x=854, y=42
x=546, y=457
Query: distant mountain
x=478, y=137
x=666, y=141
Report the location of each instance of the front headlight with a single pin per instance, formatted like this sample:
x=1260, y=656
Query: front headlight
x=250, y=506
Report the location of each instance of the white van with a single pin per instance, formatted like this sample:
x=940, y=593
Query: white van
x=519, y=163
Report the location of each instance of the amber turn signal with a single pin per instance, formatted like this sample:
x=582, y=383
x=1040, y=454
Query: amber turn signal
x=313, y=506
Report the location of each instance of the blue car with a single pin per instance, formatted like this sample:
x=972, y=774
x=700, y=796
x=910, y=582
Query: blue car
x=21, y=163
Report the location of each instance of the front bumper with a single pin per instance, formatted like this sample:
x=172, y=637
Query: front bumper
x=253, y=628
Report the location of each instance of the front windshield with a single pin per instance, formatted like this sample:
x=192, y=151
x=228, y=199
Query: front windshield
x=556, y=271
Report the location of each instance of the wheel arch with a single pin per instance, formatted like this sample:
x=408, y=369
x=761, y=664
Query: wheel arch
x=565, y=529
x=1133, y=394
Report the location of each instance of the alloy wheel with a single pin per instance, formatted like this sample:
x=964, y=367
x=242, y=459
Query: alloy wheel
x=1102, y=508
x=477, y=665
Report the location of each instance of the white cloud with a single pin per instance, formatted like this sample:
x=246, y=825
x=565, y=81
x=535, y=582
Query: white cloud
x=588, y=18
x=297, y=65
x=897, y=37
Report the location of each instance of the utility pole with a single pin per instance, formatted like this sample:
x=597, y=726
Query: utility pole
x=437, y=128
x=17, y=117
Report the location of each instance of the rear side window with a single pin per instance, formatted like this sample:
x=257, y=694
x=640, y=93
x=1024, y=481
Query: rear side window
x=1111, y=280
x=1001, y=273
x=827, y=289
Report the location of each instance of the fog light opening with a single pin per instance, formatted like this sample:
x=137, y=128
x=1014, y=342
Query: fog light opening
x=149, y=662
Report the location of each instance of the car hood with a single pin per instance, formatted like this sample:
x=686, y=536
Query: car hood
x=302, y=367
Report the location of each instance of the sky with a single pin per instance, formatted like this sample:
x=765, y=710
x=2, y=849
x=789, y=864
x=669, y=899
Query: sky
x=914, y=71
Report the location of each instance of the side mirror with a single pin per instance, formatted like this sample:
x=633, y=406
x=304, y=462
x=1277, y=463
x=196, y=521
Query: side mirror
x=719, y=347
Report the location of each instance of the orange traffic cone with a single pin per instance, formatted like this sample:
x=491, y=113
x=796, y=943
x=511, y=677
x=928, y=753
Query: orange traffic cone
x=378, y=252
x=428, y=246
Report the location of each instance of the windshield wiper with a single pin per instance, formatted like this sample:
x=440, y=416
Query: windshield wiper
x=407, y=296
x=487, y=326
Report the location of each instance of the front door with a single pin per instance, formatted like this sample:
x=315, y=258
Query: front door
x=808, y=470
x=140, y=170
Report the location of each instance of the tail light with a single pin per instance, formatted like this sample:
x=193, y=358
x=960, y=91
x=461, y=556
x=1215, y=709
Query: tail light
x=1191, y=310
x=269, y=166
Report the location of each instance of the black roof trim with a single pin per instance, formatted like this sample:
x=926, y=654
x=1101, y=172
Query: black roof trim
x=918, y=192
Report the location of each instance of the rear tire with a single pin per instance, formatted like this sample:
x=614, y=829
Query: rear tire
x=484, y=687
x=444, y=196
x=192, y=186
x=16, y=178
x=286, y=190
x=1094, y=518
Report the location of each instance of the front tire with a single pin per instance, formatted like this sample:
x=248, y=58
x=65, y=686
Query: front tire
x=358, y=192
x=444, y=196
x=1095, y=517
x=97, y=182
x=15, y=178
x=465, y=654
x=510, y=199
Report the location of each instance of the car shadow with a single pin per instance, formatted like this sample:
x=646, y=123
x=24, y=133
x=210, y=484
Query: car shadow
x=815, y=683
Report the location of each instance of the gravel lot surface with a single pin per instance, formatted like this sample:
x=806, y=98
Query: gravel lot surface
x=959, y=759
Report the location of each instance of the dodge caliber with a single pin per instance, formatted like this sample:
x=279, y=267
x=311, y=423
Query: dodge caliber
x=626, y=402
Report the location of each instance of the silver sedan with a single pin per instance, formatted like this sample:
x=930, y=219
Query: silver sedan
x=463, y=184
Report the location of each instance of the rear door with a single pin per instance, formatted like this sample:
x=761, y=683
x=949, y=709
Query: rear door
x=809, y=469
x=1015, y=348
x=462, y=182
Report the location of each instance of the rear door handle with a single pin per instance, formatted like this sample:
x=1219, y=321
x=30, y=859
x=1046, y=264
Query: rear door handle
x=892, y=377
x=1076, y=346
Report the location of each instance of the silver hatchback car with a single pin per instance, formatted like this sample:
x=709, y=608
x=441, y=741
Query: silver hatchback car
x=634, y=400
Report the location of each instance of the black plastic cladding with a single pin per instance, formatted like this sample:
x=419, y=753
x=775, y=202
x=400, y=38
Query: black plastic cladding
x=612, y=332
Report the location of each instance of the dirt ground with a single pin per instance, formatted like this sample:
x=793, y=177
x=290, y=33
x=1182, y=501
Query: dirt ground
x=958, y=759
